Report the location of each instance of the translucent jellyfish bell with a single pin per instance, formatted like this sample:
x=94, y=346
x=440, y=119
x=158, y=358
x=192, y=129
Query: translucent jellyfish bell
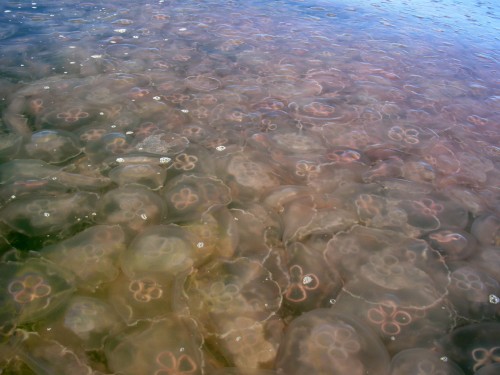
x=131, y=207
x=422, y=361
x=150, y=176
x=164, y=250
x=167, y=346
x=91, y=255
x=473, y=347
x=53, y=146
x=32, y=290
x=85, y=322
x=38, y=215
x=223, y=290
x=189, y=196
x=322, y=342
x=311, y=282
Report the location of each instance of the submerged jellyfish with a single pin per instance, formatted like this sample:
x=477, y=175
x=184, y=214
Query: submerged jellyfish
x=53, y=146
x=32, y=290
x=150, y=176
x=167, y=346
x=420, y=361
x=322, y=342
x=473, y=346
x=189, y=196
x=39, y=215
x=312, y=283
x=47, y=356
x=91, y=255
x=86, y=322
x=221, y=291
x=132, y=207
x=142, y=297
x=163, y=250
x=249, y=176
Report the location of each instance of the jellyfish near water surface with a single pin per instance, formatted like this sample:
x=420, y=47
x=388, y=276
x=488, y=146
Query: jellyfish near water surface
x=249, y=188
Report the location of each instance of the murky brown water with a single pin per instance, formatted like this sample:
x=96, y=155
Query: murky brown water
x=276, y=187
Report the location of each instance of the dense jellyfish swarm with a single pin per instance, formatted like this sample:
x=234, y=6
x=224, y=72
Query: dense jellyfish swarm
x=262, y=190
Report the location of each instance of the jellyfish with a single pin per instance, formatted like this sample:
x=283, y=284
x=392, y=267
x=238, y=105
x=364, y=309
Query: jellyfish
x=473, y=347
x=422, y=361
x=150, y=176
x=311, y=282
x=131, y=207
x=321, y=341
x=486, y=228
x=86, y=322
x=165, y=250
x=91, y=255
x=53, y=146
x=399, y=325
x=38, y=214
x=249, y=177
x=170, y=345
x=32, y=290
x=453, y=244
x=48, y=356
x=10, y=144
x=189, y=196
x=220, y=291
x=474, y=293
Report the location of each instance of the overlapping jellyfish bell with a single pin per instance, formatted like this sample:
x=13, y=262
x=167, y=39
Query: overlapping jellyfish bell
x=396, y=324
x=110, y=144
x=214, y=234
x=305, y=216
x=53, y=146
x=473, y=347
x=85, y=322
x=39, y=215
x=26, y=171
x=167, y=346
x=321, y=341
x=431, y=211
x=376, y=261
x=133, y=208
x=246, y=344
x=473, y=169
x=145, y=175
x=70, y=116
x=237, y=371
x=312, y=283
x=192, y=160
x=488, y=260
x=203, y=83
x=164, y=250
x=91, y=255
x=288, y=87
x=291, y=142
x=142, y=297
x=453, y=244
x=474, y=293
x=47, y=356
x=408, y=136
x=10, y=144
x=422, y=361
x=222, y=291
x=189, y=196
x=162, y=143
x=32, y=290
x=486, y=228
